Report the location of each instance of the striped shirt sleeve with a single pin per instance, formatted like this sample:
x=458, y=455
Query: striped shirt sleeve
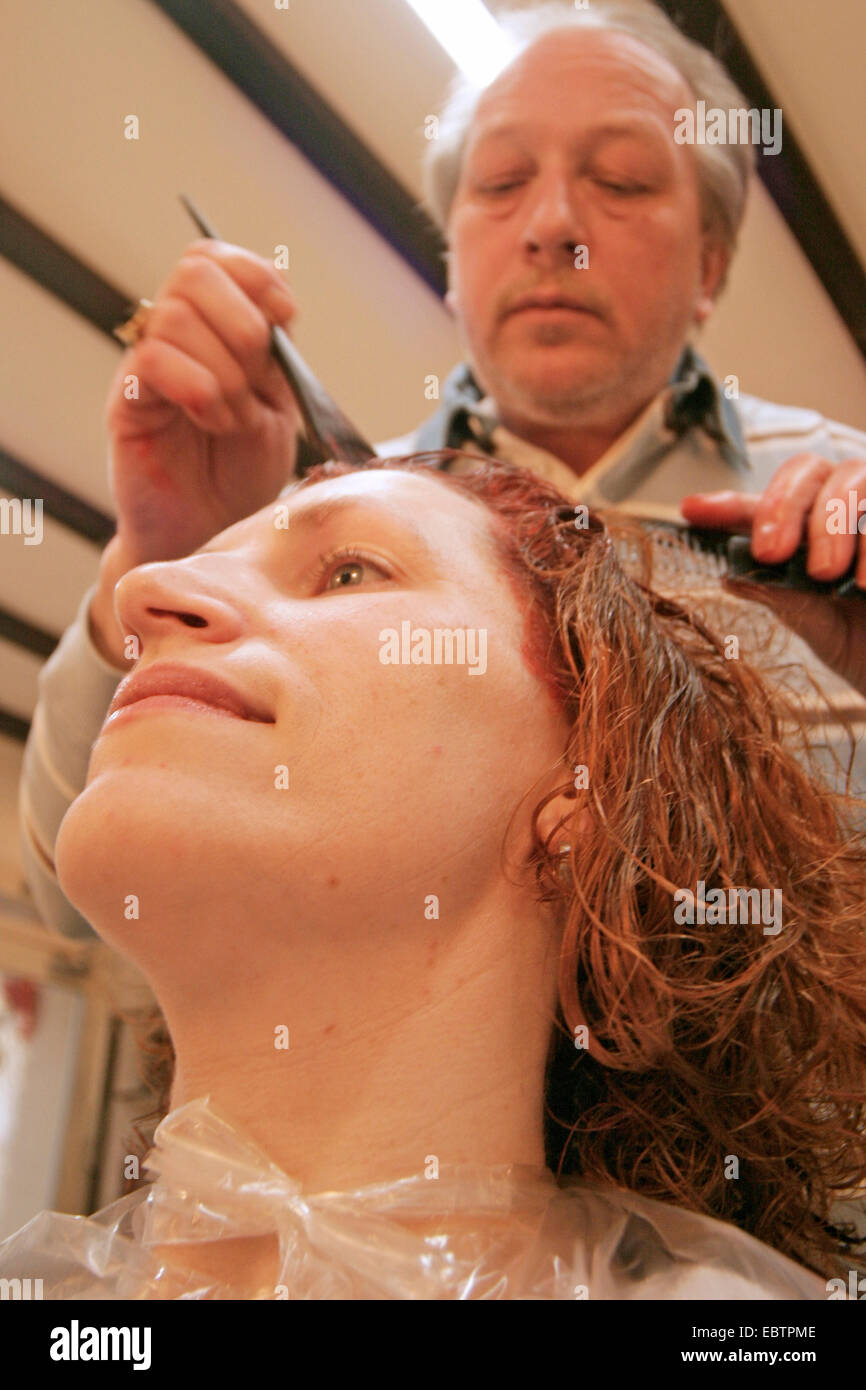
x=76, y=687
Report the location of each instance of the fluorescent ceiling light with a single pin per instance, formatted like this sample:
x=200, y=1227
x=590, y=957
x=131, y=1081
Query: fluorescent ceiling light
x=469, y=34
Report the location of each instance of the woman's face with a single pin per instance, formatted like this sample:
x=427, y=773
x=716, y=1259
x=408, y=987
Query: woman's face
x=378, y=773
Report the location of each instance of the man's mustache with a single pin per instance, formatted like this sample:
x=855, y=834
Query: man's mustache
x=547, y=294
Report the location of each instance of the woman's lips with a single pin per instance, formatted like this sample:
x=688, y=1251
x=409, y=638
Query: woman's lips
x=176, y=704
x=177, y=684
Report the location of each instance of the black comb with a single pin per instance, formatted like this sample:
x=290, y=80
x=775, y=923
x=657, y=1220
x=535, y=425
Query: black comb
x=721, y=555
x=704, y=555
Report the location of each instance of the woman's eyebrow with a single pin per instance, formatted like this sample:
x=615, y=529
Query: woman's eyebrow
x=306, y=521
x=317, y=515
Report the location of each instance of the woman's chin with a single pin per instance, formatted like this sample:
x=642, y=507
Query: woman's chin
x=135, y=856
x=111, y=855
x=91, y=865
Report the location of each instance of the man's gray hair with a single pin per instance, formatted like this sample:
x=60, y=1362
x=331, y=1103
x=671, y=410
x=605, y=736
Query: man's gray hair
x=723, y=170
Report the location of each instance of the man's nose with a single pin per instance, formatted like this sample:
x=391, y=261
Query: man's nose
x=554, y=223
x=174, y=598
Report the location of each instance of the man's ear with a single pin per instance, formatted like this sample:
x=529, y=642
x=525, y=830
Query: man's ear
x=451, y=302
x=715, y=260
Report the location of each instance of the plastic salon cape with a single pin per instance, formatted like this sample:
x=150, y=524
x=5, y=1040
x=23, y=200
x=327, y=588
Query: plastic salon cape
x=506, y=1232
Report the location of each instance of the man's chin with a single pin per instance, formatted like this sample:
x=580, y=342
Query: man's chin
x=550, y=400
x=553, y=378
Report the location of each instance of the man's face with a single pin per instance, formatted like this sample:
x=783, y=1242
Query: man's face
x=573, y=146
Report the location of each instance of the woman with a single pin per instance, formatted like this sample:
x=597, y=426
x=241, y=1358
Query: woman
x=390, y=903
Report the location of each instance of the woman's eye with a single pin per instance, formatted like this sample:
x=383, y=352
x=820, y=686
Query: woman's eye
x=347, y=570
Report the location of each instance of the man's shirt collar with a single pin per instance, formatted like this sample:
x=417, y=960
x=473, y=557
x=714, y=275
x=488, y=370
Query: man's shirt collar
x=692, y=398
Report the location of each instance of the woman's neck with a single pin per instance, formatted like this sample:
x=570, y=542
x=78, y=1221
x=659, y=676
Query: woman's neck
x=371, y=1062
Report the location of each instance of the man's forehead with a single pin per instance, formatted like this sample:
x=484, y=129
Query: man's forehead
x=573, y=61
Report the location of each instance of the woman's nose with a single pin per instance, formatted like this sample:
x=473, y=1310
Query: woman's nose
x=159, y=601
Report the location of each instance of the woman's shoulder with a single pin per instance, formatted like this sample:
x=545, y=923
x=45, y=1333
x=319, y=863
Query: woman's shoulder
x=638, y=1247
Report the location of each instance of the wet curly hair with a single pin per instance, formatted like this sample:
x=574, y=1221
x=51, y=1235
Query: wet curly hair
x=704, y=1043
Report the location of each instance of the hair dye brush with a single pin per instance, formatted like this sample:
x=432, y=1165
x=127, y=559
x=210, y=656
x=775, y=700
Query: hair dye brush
x=330, y=435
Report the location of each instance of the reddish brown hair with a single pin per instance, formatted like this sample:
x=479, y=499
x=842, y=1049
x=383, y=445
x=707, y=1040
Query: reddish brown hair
x=705, y=1042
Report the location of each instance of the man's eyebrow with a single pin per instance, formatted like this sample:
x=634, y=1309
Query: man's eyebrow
x=625, y=125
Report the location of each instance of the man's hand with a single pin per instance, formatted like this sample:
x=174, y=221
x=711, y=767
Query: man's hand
x=202, y=423
x=211, y=437
x=809, y=501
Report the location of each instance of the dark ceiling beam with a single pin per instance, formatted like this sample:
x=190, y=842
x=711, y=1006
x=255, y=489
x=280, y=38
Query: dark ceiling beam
x=63, y=506
x=787, y=176
x=13, y=726
x=34, y=251
x=266, y=77
x=38, y=255
x=57, y=270
x=27, y=635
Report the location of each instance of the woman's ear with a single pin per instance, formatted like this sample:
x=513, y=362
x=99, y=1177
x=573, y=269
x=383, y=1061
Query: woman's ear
x=566, y=818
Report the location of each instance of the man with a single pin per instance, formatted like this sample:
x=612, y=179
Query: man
x=586, y=245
